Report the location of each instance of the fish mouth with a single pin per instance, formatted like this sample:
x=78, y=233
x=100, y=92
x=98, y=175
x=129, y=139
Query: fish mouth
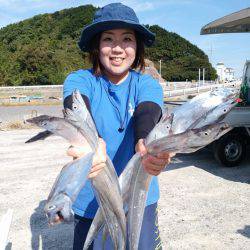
x=38, y=119
x=54, y=217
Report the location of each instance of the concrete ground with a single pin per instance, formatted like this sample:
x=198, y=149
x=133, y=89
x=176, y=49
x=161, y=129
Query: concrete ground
x=202, y=205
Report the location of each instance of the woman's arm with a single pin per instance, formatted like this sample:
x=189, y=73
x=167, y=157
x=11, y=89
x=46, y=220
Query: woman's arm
x=146, y=116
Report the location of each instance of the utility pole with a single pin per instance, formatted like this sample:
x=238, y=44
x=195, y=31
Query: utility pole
x=203, y=73
x=199, y=76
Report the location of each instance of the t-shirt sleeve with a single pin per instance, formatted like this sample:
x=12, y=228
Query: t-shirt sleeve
x=78, y=80
x=149, y=90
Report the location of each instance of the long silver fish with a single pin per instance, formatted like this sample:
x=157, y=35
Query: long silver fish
x=217, y=114
x=87, y=135
x=125, y=183
x=60, y=127
x=186, y=142
x=89, y=128
x=161, y=129
x=184, y=117
x=105, y=184
x=73, y=175
x=189, y=140
x=66, y=188
x=198, y=107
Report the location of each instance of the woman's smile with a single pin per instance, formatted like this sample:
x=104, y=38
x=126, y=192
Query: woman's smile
x=117, y=61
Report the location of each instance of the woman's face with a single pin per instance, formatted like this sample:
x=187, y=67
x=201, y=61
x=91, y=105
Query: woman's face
x=117, y=52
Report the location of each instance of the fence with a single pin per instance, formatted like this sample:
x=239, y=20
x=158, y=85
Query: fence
x=198, y=88
x=170, y=88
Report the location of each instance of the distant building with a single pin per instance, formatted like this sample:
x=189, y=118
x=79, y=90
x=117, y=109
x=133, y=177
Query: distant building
x=224, y=74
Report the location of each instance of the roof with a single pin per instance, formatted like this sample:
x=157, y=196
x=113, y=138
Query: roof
x=233, y=23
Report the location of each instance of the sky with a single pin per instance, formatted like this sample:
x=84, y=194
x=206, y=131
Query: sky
x=184, y=17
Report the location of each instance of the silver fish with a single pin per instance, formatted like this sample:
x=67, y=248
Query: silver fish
x=125, y=183
x=60, y=127
x=184, y=117
x=84, y=115
x=217, y=114
x=105, y=184
x=59, y=203
x=66, y=188
x=190, y=139
x=193, y=110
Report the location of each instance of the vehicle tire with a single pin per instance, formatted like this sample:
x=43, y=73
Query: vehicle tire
x=230, y=150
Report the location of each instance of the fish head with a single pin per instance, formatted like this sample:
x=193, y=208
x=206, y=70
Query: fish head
x=222, y=110
x=58, y=209
x=78, y=104
x=71, y=116
x=225, y=93
x=162, y=128
x=43, y=121
x=211, y=132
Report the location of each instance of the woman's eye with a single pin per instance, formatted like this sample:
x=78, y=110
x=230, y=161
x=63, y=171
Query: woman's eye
x=127, y=39
x=107, y=39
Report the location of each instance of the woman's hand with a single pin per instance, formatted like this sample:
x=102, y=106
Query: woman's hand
x=153, y=164
x=99, y=158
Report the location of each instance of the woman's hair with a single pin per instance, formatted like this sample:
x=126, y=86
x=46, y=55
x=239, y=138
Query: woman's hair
x=94, y=55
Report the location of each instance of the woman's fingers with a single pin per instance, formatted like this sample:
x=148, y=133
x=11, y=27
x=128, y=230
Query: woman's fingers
x=99, y=159
x=100, y=155
x=78, y=152
x=140, y=147
x=152, y=160
x=96, y=169
x=165, y=155
x=155, y=164
x=153, y=172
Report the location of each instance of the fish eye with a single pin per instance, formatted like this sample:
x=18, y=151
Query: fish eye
x=206, y=133
x=51, y=207
x=74, y=107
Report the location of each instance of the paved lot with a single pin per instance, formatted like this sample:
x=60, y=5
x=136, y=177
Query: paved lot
x=202, y=205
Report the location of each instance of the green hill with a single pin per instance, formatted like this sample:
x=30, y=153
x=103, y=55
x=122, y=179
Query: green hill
x=43, y=50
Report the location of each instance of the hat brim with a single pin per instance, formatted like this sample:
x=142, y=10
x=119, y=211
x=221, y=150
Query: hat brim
x=91, y=30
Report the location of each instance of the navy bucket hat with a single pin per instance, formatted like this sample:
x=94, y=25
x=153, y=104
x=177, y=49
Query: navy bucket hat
x=114, y=16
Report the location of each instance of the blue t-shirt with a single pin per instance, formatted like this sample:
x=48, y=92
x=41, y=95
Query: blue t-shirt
x=112, y=107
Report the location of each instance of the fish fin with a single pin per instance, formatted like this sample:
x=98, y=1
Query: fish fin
x=40, y=136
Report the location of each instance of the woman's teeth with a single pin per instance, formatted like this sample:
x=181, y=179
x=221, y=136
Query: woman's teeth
x=116, y=59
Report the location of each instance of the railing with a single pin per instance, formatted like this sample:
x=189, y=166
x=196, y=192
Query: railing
x=195, y=90
x=170, y=88
x=31, y=87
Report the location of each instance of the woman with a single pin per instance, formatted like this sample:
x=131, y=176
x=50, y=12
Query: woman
x=125, y=106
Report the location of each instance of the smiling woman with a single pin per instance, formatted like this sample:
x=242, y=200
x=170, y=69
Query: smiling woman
x=125, y=105
x=117, y=53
